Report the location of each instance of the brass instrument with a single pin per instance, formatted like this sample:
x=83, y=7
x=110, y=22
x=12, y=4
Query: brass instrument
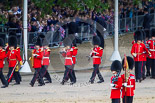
x=32, y=58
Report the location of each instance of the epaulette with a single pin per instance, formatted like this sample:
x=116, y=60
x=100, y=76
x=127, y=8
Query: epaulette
x=17, y=47
x=76, y=48
x=71, y=49
x=101, y=48
x=48, y=49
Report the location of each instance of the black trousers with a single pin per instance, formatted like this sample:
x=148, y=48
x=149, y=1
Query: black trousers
x=45, y=73
x=37, y=75
x=148, y=65
x=19, y=76
x=152, y=61
x=96, y=71
x=138, y=69
x=116, y=100
x=3, y=80
x=15, y=75
x=73, y=73
x=143, y=70
x=68, y=73
x=129, y=99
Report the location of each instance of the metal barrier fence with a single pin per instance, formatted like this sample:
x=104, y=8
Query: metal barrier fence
x=84, y=31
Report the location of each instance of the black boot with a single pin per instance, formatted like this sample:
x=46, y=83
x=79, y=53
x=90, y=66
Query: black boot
x=4, y=86
x=101, y=81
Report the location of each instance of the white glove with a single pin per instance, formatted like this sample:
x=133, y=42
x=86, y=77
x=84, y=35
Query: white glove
x=112, y=85
x=150, y=55
x=134, y=54
x=21, y=66
x=125, y=84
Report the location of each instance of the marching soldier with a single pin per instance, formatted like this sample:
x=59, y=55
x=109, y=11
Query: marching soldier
x=148, y=57
x=116, y=82
x=2, y=57
x=13, y=55
x=67, y=52
x=36, y=58
x=75, y=50
x=151, y=44
x=137, y=51
x=96, y=53
x=128, y=81
x=46, y=61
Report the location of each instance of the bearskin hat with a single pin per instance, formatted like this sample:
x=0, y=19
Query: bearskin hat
x=12, y=41
x=116, y=66
x=1, y=42
x=96, y=40
x=39, y=41
x=138, y=35
x=130, y=62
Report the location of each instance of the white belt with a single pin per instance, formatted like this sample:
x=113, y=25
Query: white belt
x=129, y=86
x=152, y=49
x=45, y=57
x=73, y=56
x=68, y=58
x=114, y=88
x=96, y=57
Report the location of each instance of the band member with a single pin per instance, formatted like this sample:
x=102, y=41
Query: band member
x=67, y=52
x=75, y=51
x=13, y=55
x=2, y=57
x=116, y=82
x=96, y=53
x=152, y=50
x=46, y=61
x=137, y=51
x=37, y=55
x=128, y=81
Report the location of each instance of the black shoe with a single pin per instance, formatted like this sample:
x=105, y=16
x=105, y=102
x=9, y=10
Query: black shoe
x=4, y=86
x=31, y=84
x=152, y=77
x=140, y=80
x=41, y=84
x=62, y=83
x=147, y=74
x=16, y=83
x=136, y=80
x=91, y=81
x=144, y=78
x=101, y=81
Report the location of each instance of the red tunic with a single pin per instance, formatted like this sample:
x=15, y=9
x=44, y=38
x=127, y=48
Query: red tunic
x=116, y=91
x=13, y=56
x=97, y=55
x=130, y=85
x=37, y=60
x=75, y=50
x=2, y=57
x=46, y=54
x=68, y=57
x=151, y=44
x=139, y=49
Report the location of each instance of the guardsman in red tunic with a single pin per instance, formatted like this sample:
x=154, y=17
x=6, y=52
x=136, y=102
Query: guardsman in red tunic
x=116, y=82
x=96, y=54
x=67, y=52
x=75, y=51
x=148, y=57
x=128, y=82
x=46, y=61
x=13, y=55
x=151, y=44
x=37, y=55
x=2, y=57
x=137, y=52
